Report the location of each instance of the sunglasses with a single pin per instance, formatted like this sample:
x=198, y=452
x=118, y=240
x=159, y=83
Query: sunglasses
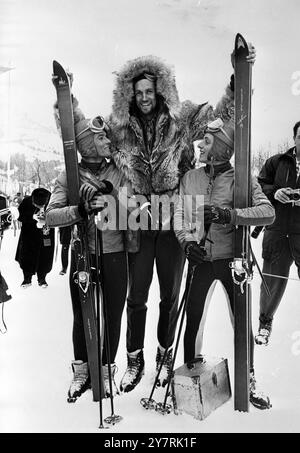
x=96, y=124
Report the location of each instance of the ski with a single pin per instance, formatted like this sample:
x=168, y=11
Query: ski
x=241, y=267
x=83, y=274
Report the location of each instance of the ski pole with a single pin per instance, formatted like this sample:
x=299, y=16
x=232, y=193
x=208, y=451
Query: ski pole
x=113, y=418
x=161, y=407
x=149, y=403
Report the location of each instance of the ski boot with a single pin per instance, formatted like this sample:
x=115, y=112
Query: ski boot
x=166, y=367
x=134, y=372
x=264, y=331
x=115, y=389
x=43, y=284
x=80, y=382
x=26, y=283
x=258, y=399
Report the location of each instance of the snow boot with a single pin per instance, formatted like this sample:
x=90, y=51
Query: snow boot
x=80, y=382
x=258, y=399
x=166, y=368
x=264, y=331
x=134, y=372
x=43, y=283
x=26, y=283
x=115, y=389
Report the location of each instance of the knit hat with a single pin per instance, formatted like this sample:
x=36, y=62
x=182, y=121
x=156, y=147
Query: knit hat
x=223, y=146
x=85, y=130
x=40, y=196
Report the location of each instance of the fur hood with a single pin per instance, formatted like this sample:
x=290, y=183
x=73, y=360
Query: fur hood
x=123, y=93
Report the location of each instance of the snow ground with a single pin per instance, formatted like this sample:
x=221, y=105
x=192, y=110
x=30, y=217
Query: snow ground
x=36, y=352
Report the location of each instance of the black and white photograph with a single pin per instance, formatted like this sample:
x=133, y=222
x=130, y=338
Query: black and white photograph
x=149, y=219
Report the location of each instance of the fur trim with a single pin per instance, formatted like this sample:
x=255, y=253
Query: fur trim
x=123, y=93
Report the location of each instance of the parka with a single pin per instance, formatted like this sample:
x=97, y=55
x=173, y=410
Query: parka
x=220, y=239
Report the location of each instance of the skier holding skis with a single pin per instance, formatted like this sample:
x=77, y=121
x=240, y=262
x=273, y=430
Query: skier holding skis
x=215, y=182
x=279, y=179
x=152, y=136
x=95, y=166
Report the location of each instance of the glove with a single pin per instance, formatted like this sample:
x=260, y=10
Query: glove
x=87, y=191
x=194, y=253
x=214, y=214
x=82, y=209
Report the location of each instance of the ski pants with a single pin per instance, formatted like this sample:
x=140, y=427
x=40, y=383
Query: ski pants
x=163, y=248
x=65, y=256
x=115, y=276
x=279, y=252
x=205, y=278
x=65, y=238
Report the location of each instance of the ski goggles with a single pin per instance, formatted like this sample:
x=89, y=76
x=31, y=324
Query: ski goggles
x=95, y=125
x=217, y=126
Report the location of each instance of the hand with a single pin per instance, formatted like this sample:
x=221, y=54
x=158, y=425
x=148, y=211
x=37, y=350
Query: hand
x=282, y=195
x=97, y=203
x=251, y=57
x=195, y=253
x=70, y=77
x=87, y=191
x=252, y=53
x=214, y=214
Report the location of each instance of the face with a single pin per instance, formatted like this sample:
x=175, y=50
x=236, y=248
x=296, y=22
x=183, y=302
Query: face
x=102, y=144
x=205, y=146
x=297, y=140
x=145, y=96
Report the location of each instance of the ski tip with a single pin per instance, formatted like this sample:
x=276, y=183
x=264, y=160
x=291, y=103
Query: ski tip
x=240, y=42
x=60, y=73
x=57, y=66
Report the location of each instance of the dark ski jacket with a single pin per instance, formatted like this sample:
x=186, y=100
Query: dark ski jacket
x=36, y=245
x=280, y=171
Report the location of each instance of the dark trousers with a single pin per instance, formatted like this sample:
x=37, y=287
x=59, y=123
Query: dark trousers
x=41, y=275
x=203, y=285
x=279, y=252
x=163, y=248
x=65, y=256
x=115, y=276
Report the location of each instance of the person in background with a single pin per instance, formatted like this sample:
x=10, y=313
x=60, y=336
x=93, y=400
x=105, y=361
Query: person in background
x=280, y=182
x=35, y=248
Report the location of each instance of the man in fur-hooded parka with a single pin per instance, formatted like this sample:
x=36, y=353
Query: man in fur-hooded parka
x=155, y=165
x=152, y=141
